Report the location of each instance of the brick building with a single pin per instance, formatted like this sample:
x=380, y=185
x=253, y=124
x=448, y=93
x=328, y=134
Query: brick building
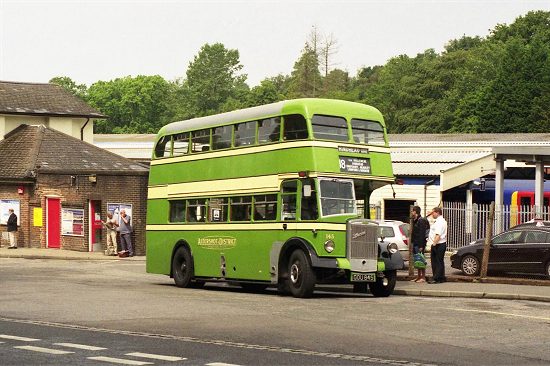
x=61, y=187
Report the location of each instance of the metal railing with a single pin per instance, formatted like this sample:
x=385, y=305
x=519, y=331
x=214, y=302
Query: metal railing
x=469, y=223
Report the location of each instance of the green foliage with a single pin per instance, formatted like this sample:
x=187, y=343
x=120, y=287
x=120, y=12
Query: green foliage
x=134, y=105
x=213, y=78
x=80, y=90
x=498, y=83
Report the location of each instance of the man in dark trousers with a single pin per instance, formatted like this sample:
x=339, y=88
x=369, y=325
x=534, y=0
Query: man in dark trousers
x=418, y=238
x=12, y=229
x=438, y=240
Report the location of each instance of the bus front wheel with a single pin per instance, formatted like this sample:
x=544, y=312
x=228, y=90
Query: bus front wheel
x=301, y=277
x=383, y=287
x=182, y=267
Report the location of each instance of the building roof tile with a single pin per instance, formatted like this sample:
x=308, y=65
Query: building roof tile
x=30, y=150
x=42, y=99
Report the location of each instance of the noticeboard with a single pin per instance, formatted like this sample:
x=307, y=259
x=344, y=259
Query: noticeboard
x=5, y=205
x=115, y=209
x=72, y=221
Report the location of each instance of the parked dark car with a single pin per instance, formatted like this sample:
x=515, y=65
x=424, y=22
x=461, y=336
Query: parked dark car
x=522, y=249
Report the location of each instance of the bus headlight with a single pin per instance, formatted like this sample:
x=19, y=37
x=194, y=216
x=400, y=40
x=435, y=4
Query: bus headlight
x=392, y=248
x=329, y=246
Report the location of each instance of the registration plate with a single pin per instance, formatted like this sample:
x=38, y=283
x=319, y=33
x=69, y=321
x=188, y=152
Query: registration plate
x=363, y=277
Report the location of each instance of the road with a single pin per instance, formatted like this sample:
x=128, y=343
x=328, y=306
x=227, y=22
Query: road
x=115, y=305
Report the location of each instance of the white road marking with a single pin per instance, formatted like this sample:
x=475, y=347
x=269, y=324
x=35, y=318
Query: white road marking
x=16, y=338
x=44, y=350
x=221, y=364
x=156, y=357
x=80, y=346
x=119, y=360
x=503, y=314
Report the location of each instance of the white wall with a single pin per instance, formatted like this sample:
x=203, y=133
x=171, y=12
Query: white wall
x=407, y=192
x=69, y=126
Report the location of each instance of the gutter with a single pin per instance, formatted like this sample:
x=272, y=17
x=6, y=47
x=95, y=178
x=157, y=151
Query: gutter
x=82, y=129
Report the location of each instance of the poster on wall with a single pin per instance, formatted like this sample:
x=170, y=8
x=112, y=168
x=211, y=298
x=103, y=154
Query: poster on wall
x=115, y=208
x=72, y=221
x=5, y=205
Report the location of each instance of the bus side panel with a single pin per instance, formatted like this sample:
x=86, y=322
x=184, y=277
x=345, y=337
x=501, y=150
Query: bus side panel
x=158, y=253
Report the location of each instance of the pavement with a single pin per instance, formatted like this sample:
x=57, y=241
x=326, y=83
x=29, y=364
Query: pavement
x=456, y=285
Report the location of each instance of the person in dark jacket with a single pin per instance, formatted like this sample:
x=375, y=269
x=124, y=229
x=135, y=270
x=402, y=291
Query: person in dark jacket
x=418, y=238
x=12, y=229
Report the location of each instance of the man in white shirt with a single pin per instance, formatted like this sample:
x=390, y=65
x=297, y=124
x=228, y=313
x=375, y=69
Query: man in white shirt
x=438, y=241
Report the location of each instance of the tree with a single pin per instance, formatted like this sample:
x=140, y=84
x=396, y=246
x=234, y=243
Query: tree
x=212, y=78
x=305, y=74
x=134, y=105
x=80, y=90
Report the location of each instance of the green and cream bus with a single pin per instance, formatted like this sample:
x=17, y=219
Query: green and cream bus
x=269, y=196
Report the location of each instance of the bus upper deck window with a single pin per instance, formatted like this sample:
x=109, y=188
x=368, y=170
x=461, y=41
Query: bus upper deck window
x=367, y=132
x=200, y=140
x=295, y=127
x=221, y=137
x=181, y=144
x=330, y=128
x=269, y=130
x=163, y=147
x=245, y=133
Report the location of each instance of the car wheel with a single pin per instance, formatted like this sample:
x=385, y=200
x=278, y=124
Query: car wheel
x=470, y=265
x=182, y=267
x=548, y=269
x=383, y=287
x=301, y=278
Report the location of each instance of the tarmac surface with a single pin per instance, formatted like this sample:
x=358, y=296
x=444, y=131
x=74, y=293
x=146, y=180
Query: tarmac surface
x=456, y=286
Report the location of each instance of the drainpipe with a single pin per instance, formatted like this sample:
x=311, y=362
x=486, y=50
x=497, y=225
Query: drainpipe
x=428, y=183
x=82, y=129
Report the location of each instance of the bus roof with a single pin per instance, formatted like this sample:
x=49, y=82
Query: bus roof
x=340, y=107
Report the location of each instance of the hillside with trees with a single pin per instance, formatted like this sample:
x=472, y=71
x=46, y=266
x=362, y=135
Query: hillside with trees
x=497, y=83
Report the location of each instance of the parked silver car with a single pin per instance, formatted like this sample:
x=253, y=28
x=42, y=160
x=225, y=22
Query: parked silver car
x=393, y=231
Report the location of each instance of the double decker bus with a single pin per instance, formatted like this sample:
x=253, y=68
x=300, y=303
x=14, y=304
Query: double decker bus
x=268, y=196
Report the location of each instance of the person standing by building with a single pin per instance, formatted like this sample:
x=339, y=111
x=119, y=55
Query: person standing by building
x=125, y=225
x=12, y=229
x=111, y=225
x=438, y=241
x=418, y=239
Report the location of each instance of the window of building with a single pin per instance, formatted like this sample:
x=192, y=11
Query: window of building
x=221, y=137
x=295, y=127
x=219, y=210
x=241, y=208
x=330, y=128
x=265, y=207
x=177, y=211
x=245, y=133
x=367, y=132
x=200, y=140
x=181, y=143
x=196, y=210
x=163, y=147
x=269, y=130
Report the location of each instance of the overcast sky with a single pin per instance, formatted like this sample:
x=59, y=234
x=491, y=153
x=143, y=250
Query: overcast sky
x=102, y=40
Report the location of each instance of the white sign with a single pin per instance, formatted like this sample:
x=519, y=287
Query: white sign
x=5, y=205
x=72, y=221
x=115, y=209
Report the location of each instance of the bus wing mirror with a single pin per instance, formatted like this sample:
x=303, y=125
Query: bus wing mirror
x=307, y=190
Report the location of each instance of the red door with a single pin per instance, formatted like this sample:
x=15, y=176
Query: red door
x=53, y=222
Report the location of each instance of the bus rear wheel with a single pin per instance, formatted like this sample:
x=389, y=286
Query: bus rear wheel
x=383, y=287
x=182, y=267
x=301, y=277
